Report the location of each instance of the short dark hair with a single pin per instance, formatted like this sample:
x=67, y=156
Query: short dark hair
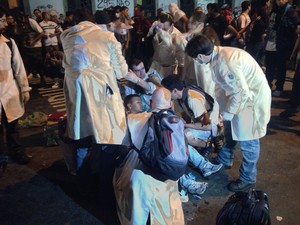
x=128, y=99
x=36, y=10
x=164, y=17
x=102, y=17
x=135, y=62
x=199, y=44
x=83, y=14
x=173, y=81
x=245, y=5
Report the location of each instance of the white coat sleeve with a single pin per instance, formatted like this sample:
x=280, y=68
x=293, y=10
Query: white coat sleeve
x=19, y=69
x=117, y=59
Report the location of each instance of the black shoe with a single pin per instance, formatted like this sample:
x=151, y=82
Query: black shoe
x=288, y=113
x=239, y=185
x=20, y=157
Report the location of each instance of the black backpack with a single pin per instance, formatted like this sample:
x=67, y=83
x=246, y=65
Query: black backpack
x=245, y=208
x=164, y=153
x=210, y=100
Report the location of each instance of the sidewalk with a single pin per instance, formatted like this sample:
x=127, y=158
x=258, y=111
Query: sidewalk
x=43, y=193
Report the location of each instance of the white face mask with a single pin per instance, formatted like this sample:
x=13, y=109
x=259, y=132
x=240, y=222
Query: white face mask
x=117, y=15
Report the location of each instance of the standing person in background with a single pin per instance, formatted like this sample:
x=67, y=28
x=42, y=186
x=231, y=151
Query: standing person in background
x=168, y=44
x=139, y=33
x=295, y=95
x=217, y=21
x=51, y=31
x=32, y=34
x=68, y=21
x=179, y=17
x=286, y=22
x=14, y=93
x=38, y=15
x=244, y=97
x=243, y=22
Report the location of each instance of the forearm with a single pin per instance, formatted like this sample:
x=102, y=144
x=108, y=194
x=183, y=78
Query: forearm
x=198, y=126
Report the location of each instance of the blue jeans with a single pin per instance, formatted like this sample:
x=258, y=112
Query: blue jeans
x=195, y=158
x=250, y=150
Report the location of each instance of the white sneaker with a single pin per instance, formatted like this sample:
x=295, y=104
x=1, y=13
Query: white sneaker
x=30, y=76
x=55, y=85
x=210, y=168
x=38, y=75
x=193, y=187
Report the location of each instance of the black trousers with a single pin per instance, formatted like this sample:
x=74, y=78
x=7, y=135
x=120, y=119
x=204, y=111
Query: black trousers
x=9, y=133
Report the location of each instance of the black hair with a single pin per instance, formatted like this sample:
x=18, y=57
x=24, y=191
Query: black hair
x=69, y=13
x=102, y=17
x=215, y=8
x=123, y=8
x=36, y=10
x=166, y=17
x=199, y=44
x=173, y=81
x=83, y=14
x=245, y=5
x=2, y=12
x=135, y=62
x=128, y=99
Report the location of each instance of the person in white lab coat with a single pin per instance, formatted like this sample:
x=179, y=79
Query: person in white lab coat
x=244, y=97
x=14, y=93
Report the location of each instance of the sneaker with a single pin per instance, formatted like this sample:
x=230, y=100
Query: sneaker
x=30, y=76
x=184, y=197
x=193, y=187
x=38, y=75
x=210, y=168
x=277, y=93
x=55, y=85
x=239, y=185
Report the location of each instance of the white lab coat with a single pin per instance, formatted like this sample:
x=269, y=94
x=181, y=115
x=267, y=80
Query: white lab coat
x=241, y=89
x=11, y=89
x=93, y=61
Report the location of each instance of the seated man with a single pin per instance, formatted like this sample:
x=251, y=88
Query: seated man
x=142, y=83
x=133, y=105
x=204, y=124
x=139, y=195
x=53, y=64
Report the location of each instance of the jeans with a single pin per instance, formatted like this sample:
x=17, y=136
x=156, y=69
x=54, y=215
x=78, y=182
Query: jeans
x=250, y=150
x=195, y=158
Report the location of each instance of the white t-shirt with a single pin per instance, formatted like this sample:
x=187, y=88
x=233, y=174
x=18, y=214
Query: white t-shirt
x=49, y=28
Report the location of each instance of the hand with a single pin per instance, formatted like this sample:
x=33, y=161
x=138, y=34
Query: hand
x=227, y=116
x=130, y=76
x=25, y=97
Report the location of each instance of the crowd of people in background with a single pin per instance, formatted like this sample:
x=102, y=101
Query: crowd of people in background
x=150, y=63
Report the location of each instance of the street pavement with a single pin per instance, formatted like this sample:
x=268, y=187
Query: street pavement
x=44, y=193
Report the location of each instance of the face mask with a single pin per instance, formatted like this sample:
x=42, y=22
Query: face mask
x=117, y=15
